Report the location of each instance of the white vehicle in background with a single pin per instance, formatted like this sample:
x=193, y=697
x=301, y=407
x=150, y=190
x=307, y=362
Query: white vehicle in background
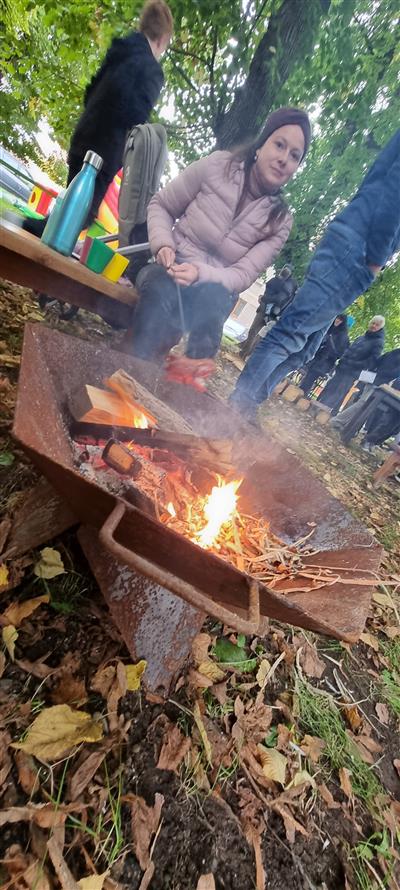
x=15, y=178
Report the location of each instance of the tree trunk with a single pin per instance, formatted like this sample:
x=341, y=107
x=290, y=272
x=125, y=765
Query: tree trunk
x=290, y=37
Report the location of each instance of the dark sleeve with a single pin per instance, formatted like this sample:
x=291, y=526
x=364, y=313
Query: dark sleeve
x=272, y=289
x=385, y=222
x=140, y=93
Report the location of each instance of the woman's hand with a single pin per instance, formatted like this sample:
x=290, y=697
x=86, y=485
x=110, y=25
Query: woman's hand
x=165, y=257
x=374, y=269
x=184, y=273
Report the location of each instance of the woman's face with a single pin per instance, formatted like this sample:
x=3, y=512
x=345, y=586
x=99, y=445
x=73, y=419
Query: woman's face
x=279, y=157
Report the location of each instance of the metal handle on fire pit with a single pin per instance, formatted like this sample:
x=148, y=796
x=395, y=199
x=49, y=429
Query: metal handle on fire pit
x=186, y=591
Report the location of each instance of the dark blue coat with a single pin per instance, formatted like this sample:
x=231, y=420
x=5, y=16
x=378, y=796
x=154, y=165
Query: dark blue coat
x=374, y=211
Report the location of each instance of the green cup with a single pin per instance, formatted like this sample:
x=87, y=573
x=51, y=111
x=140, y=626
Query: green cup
x=99, y=256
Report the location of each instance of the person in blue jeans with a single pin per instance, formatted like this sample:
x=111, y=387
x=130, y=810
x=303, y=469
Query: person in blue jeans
x=356, y=246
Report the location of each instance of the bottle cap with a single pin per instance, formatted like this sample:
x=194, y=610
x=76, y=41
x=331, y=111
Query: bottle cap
x=94, y=159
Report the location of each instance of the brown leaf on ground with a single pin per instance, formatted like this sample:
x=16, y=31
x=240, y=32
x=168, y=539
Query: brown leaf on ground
x=202, y=730
x=345, y=781
x=253, y=824
x=87, y=767
x=284, y=735
x=45, y=815
x=5, y=759
x=311, y=663
x=144, y=822
x=147, y=877
x=353, y=717
x=206, y=882
x=291, y=824
x=25, y=871
x=5, y=528
x=273, y=764
x=366, y=746
x=370, y=640
x=312, y=747
x=10, y=636
x=174, y=748
x=326, y=795
x=220, y=692
x=253, y=723
x=28, y=776
x=102, y=680
x=57, y=730
x=93, y=882
x=36, y=668
x=211, y=670
x=2, y=663
x=198, y=680
x=382, y=712
x=249, y=755
x=396, y=764
x=200, y=647
x=69, y=691
x=60, y=866
x=16, y=612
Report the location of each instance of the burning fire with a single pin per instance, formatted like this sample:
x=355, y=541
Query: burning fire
x=140, y=421
x=219, y=508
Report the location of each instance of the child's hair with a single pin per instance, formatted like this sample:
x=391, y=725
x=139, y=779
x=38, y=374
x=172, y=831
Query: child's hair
x=156, y=20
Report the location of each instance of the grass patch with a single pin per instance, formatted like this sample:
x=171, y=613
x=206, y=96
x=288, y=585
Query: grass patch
x=362, y=856
x=390, y=536
x=319, y=717
x=390, y=684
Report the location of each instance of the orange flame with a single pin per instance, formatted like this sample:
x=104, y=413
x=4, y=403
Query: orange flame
x=219, y=508
x=171, y=509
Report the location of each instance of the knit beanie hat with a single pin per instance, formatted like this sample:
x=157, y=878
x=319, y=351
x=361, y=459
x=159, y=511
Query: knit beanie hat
x=283, y=116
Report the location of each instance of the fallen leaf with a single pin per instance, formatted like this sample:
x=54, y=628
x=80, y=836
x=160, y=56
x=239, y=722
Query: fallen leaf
x=174, y=748
x=69, y=691
x=49, y=565
x=229, y=653
x=220, y=692
x=133, y=675
x=144, y=821
x=382, y=712
x=147, y=877
x=396, y=764
x=58, y=729
x=273, y=764
x=345, y=782
x=311, y=663
x=200, y=647
x=3, y=576
x=382, y=599
x=312, y=747
x=80, y=778
x=211, y=671
x=291, y=824
x=370, y=640
x=117, y=691
x=60, y=866
x=16, y=612
x=263, y=672
x=10, y=636
x=46, y=815
x=252, y=724
x=36, y=668
x=27, y=774
x=328, y=797
x=2, y=663
x=302, y=777
x=203, y=735
x=5, y=759
x=102, y=680
x=206, y=882
x=93, y=882
x=353, y=717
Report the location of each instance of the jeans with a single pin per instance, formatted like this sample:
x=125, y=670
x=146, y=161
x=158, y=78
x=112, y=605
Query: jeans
x=336, y=389
x=157, y=325
x=336, y=276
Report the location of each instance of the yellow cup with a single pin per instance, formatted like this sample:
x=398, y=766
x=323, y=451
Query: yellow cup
x=116, y=267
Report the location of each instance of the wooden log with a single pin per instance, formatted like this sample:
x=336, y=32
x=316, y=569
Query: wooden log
x=123, y=385
x=303, y=404
x=323, y=417
x=389, y=466
x=93, y=405
x=292, y=393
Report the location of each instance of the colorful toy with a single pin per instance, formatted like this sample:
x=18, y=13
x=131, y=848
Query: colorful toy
x=108, y=210
x=40, y=198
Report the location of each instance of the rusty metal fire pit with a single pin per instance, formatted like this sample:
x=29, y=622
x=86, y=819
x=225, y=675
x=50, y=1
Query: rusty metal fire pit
x=276, y=486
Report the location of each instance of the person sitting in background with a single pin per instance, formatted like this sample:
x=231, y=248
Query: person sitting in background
x=380, y=427
x=332, y=347
x=278, y=294
x=213, y=230
x=121, y=95
x=387, y=369
x=357, y=244
x=362, y=355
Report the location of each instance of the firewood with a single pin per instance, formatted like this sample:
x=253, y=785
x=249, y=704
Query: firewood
x=303, y=404
x=119, y=458
x=94, y=405
x=123, y=385
x=292, y=393
x=323, y=417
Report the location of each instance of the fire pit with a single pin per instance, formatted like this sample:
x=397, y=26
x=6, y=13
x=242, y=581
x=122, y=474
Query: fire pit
x=276, y=486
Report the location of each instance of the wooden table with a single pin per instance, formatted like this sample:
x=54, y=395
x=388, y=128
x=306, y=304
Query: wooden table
x=25, y=260
x=382, y=397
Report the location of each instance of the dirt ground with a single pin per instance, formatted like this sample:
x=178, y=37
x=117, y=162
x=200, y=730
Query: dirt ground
x=274, y=768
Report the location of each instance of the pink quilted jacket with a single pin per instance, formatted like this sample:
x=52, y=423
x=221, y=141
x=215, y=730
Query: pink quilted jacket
x=195, y=215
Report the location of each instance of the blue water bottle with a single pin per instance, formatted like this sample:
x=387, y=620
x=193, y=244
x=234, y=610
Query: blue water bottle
x=70, y=213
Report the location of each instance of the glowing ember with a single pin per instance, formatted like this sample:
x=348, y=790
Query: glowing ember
x=219, y=508
x=171, y=509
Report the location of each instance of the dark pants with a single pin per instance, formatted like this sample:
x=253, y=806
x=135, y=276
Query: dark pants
x=336, y=389
x=102, y=181
x=314, y=370
x=336, y=276
x=157, y=325
x=381, y=425
x=254, y=330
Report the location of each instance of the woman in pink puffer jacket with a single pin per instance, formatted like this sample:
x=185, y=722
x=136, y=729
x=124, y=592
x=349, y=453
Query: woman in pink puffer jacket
x=213, y=230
